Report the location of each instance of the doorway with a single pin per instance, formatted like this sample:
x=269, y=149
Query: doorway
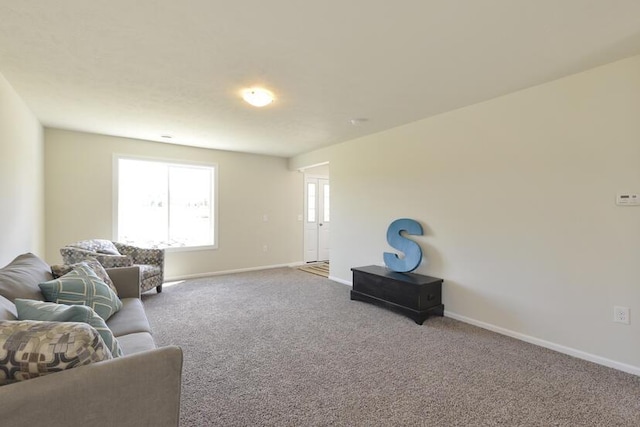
x=317, y=218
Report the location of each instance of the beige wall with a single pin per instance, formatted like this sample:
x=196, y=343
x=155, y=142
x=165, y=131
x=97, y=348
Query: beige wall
x=516, y=196
x=79, y=201
x=21, y=178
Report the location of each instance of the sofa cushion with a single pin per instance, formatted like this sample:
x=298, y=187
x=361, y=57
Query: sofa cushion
x=148, y=270
x=135, y=343
x=130, y=319
x=20, y=278
x=82, y=286
x=7, y=309
x=50, y=311
x=30, y=349
x=60, y=270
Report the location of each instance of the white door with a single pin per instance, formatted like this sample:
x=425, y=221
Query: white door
x=317, y=219
x=325, y=220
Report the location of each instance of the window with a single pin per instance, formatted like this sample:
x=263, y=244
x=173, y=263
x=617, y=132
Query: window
x=311, y=202
x=166, y=205
x=326, y=208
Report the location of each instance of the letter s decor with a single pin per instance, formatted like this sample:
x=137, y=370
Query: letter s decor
x=411, y=250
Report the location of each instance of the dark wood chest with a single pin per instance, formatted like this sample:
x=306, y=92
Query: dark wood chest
x=414, y=295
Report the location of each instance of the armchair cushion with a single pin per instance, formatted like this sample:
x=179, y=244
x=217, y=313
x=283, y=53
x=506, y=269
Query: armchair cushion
x=30, y=349
x=147, y=270
x=50, y=311
x=82, y=286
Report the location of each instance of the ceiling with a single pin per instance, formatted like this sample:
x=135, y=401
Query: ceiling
x=146, y=68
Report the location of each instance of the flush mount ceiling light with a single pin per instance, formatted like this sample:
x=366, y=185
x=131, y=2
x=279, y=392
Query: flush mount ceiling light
x=257, y=96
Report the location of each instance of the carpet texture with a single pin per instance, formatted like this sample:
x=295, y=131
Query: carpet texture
x=285, y=348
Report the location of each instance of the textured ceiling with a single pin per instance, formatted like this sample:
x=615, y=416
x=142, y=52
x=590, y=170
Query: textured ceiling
x=146, y=68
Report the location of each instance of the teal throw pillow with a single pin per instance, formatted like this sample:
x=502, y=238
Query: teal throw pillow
x=82, y=287
x=51, y=312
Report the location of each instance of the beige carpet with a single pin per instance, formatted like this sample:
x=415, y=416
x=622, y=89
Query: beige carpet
x=285, y=348
x=319, y=268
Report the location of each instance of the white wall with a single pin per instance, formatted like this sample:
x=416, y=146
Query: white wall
x=21, y=178
x=516, y=196
x=79, y=201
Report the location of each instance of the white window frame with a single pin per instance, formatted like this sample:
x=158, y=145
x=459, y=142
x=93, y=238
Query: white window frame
x=214, y=166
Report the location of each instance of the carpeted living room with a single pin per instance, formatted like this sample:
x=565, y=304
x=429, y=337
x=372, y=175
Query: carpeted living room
x=301, y=353
x=224, y=182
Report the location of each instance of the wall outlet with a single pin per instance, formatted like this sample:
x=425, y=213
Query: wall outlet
x=621, y=315
x=265, y=248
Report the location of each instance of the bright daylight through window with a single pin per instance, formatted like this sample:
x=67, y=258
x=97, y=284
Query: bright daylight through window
x=165, y=205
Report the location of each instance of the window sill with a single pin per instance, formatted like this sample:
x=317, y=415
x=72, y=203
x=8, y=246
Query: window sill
x=191, y=248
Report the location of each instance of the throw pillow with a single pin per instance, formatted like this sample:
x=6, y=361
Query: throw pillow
x=82, y=286
x=50, y=311
x=60, y=270
x=31, y=348
x=107, y=247
x=101, y=246
x=20, y=278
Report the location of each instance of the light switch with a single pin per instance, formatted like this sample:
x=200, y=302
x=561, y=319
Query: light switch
x=627, y=199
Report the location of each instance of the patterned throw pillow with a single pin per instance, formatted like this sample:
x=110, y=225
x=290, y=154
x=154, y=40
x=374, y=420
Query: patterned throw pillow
x=100, y=246
x=30, y=349
x=62, y=269
x=82, y=286
x=50, y=311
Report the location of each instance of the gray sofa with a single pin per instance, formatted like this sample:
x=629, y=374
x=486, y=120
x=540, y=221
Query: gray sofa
x=141, y=388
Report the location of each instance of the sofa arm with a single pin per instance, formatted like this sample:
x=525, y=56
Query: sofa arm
x=126, y=280
x=132, y=391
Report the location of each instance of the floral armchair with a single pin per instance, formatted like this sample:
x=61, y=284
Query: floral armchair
x=113, y=254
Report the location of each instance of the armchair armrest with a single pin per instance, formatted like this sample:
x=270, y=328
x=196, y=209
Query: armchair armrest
x=142, y=389
x=126, y=280
x=142, y=255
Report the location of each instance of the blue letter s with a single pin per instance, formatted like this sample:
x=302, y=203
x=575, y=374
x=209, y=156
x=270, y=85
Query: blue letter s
x=412, y=252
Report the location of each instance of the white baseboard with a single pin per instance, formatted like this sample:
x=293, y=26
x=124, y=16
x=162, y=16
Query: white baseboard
x=344, y=282
x=635, y=370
